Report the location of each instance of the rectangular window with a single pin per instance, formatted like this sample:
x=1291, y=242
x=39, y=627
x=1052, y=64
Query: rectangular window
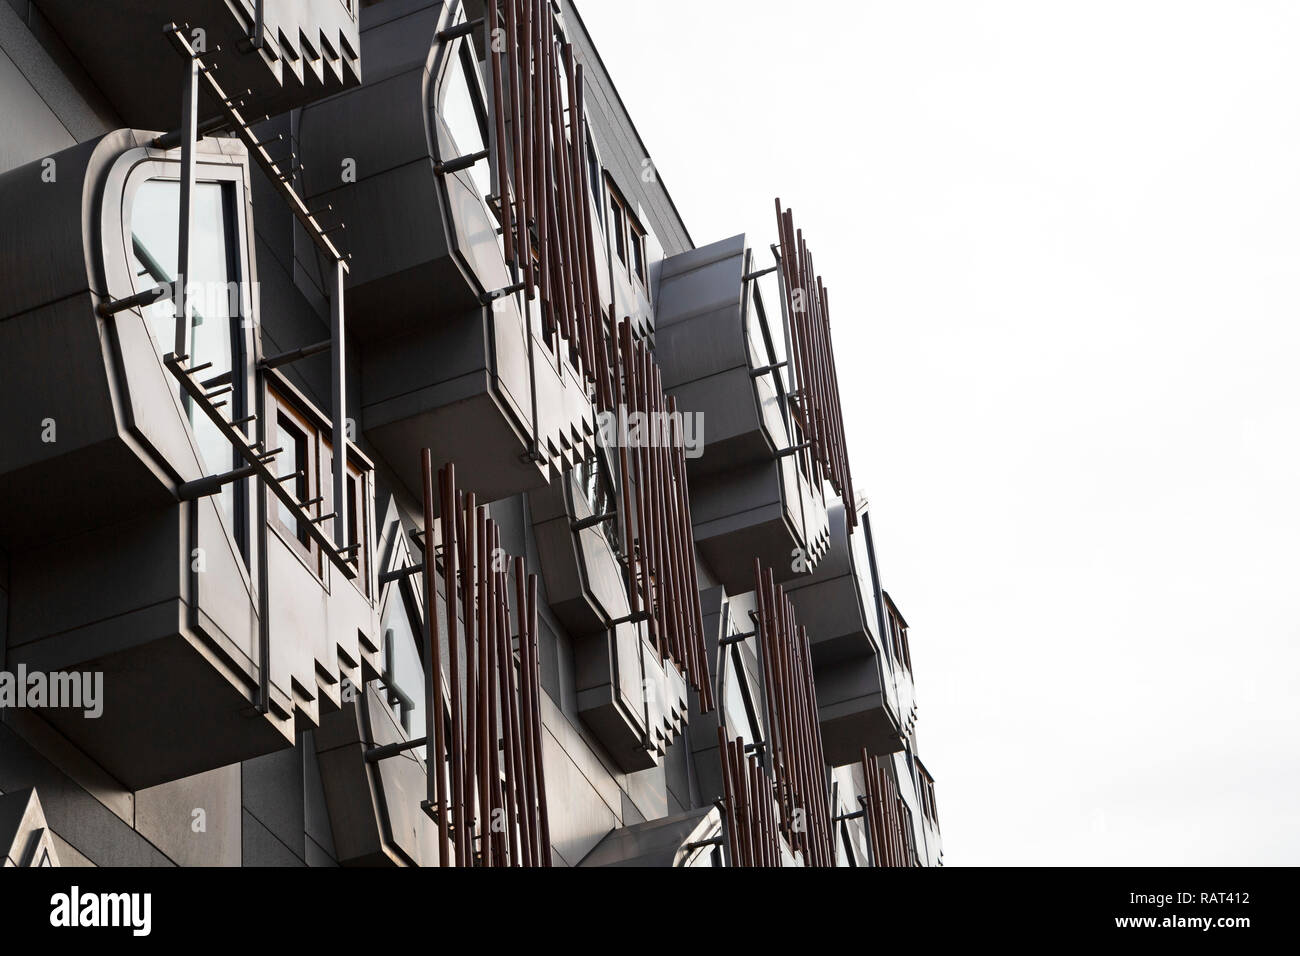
x=296, y=437
x=638, y=254
x=306, y=463
x=216, y=332
x=593, y=171
x=627, y=236
x=619, y=225
x=294, y=460
x=357, y=517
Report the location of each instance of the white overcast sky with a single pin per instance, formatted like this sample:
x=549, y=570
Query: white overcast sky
x=1062, y=241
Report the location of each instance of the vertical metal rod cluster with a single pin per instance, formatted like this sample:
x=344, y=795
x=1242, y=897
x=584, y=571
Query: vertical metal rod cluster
x=816, y=386
x=886, y=816
x=199, y=75
x=753, y=831
x=795, y=736
x=492, y=810
x=655, y=501
x=546, y=217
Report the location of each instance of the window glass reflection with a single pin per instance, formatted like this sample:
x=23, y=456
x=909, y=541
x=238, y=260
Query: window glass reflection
x=597, y=489
x=403, y=667
x=463, y=111
x=213, y=281
x=737, y=703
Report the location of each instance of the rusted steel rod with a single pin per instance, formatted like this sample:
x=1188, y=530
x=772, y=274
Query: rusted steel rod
x=815, y=380
x=494, y=810
x=447, y=486
x=437, y=793
x=465, y=517
x=484, y=679
x=540, y=165
x=526, y=771
x=798, y=764
x=753, y=831
x=538, y=750
x=655, y=510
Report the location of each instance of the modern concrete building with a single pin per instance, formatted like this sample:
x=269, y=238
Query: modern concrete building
x=387, y=478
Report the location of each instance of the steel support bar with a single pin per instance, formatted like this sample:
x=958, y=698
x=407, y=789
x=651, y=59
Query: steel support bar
x=731, y=639
x=388, y=577
x=758, y=274
x=593, y=522
x=205, y=487
x=461, y=162
x=207, y=127
x=295, y=355
x=376, y=754
x=138, y=301
x=767, y=369
x=794, y=450
x=253, y=456
x=490, y=297
x=460, y=30
x=338, y=383
x=433, y=707
x=189, y=137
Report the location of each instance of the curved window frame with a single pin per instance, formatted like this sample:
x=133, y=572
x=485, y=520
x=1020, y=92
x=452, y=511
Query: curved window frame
x=459, y=62
x=212, y=165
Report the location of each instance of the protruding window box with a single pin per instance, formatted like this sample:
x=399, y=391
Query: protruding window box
x=210, y=635
x=301, y=50
x=445, y=364
x=635, y=704
x=695, y=838
x=632, y=703
x=856, y=680
x=586, y=584
x=720, y=343
x=374, y=805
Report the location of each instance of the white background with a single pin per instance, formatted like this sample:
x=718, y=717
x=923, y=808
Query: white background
x=1062, y=241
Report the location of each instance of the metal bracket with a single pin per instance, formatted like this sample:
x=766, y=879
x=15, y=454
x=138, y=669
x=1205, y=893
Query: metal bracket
x=461, y=163
x=376, y=754
x=388, y=577
x=295, y=355
x=489, y=297
x=460, y=30
x=794, y=450
x=593, y=522
x=141, y=300
x=767, y=369
x=759, y=273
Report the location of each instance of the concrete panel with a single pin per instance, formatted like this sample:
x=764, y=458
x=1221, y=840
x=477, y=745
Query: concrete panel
x=262, y=849
x=580, y=819
x=78, y=819
x=168, y=816
x=35, y=131
x=272, y=792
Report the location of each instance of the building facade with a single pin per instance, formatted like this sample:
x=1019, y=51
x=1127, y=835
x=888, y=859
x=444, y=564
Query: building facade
x=387, y=478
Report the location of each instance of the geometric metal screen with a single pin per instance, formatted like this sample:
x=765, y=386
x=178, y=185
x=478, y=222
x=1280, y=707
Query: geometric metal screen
x=779, y=793
x=816, y=388
x=753, y=830
x=886, y=816
x=795, y=745
x=547, y=224
x=493, y=807
x=655, y=506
